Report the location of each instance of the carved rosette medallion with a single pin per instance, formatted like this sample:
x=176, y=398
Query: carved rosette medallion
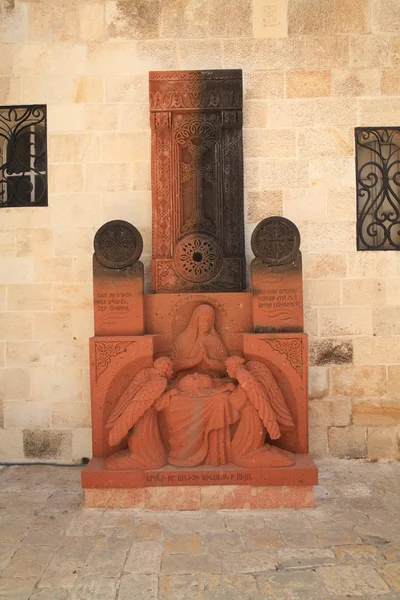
x=292, y=348
x=170, y=280
x=117, y=244
x=276, y=241
x=198, y=258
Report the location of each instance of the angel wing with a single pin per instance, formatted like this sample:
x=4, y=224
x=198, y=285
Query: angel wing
x=275, y=397
x=140, y=402
x=126, y=397
x=257, y=397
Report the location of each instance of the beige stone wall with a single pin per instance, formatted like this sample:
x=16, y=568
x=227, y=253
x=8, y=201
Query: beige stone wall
x=313, y=70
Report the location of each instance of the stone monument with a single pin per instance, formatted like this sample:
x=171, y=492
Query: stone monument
x=199, y=389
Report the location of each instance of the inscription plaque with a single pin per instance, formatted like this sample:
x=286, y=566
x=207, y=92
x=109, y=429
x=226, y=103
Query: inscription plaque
x=276, y=277
x=118, y=280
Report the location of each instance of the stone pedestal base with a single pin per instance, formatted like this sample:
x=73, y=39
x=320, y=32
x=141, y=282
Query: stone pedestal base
x=212, y=497
x=195, y=489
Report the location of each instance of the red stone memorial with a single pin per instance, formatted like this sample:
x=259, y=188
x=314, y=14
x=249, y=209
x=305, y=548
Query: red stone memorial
x=199, y=389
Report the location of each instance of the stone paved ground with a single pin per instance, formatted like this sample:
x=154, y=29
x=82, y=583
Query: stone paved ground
x=347, y=547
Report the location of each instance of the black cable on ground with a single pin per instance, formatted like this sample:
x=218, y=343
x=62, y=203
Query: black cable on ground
x=45, y=464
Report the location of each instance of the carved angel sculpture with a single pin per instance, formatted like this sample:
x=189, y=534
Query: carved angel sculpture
x=263, y=409
x=138, y=408
x=262, y=374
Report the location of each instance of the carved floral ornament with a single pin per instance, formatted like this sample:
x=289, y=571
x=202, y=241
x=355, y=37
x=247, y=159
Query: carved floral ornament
x=196, y=133
x=291, y=348
x=105, y=352
x=195, y=89
x=198, y=258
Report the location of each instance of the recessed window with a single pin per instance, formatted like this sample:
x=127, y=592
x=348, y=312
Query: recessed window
x=23, y=156
x=378, y=188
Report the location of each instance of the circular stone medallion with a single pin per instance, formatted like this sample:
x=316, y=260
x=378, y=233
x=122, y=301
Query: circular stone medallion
x=117, y=244
x=198, y=258
x=276, y=241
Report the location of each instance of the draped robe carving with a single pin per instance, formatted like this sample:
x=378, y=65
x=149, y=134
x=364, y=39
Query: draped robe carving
x=216, y=410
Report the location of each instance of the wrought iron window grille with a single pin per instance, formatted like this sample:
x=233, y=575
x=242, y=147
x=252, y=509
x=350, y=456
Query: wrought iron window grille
x=23, y=156
x=378, y=188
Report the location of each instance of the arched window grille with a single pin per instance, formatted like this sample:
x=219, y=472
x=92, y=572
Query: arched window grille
x=378, y=188
x=23, y=156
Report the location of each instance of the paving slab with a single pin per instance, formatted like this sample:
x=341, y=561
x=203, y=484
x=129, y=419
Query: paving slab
x=355, y=580
x=94, y=588
x=299, y=585
x=138, y=587
x=181, y=587
x=347, y=547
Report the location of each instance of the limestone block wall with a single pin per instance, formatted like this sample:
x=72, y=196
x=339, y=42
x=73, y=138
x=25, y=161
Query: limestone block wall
x=313, y=70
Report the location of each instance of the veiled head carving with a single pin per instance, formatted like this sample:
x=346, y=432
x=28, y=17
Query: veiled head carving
x=201, y=322
x=199, y=348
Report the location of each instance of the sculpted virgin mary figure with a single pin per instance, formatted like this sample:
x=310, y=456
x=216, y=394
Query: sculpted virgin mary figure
x=199, y=348
x=196, y=423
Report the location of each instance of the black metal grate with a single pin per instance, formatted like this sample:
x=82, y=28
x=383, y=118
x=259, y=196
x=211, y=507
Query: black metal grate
x=378, y=188
x=23, y=156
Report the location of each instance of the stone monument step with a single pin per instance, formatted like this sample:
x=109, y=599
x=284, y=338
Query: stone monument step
x=201, y=488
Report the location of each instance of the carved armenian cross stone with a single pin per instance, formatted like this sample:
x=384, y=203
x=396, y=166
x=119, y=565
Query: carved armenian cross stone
x=203, y=383
x=197, y=181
